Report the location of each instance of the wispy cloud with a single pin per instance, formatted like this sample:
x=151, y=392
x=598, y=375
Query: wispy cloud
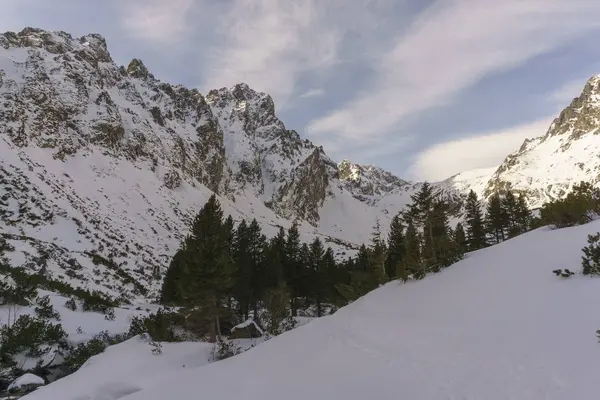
x=450, y=47
x=268, y=43
x=312, y=93
x=477, y=150
x=165, y=22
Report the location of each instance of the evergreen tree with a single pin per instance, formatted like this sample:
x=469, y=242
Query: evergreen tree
x=256, y=254
x=242, y=290
x=276, y=300
x=291, y=269
x=395, y=248
x=460, y=239
x=206, y=273
x=475, y=223
x=524, y=217
x=169, y=293
x=495, y=219
x=362, y=262
x=377, y=257
x=275, y=259
x=443, y=250
x=510, y=209
x=411, y=263
x=317, y=275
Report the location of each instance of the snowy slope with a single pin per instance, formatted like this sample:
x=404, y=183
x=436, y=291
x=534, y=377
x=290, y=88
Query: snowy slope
x=547, y=167
x=497, y=325
x=107, y=160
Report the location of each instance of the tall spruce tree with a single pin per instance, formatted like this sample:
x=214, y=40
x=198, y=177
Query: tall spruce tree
x=170, y=294
x=292, y=266
x=524, y=217
x=206, y=271
x=275, y=260
x=443, y=251
x=509, y=207
x=495, y=219
x=395, y=248
x=460, y=239
x=377, y=256
x=411, y=262
x=244, y=272
x=476, y=236
x=316, y=282
x=256, y=254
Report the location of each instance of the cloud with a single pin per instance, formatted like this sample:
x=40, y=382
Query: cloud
x=273, y=44
x=480, y=150
x=165, y=22
x=448, y=48
x=268, y=43
x=312, y=93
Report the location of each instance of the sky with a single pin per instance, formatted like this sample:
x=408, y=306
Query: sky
x=423, y=88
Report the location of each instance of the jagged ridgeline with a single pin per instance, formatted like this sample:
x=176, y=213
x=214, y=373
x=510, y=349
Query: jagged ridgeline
x=104, y=166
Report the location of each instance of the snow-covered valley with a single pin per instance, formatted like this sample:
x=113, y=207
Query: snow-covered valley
x=104, y=167
x=496, y=325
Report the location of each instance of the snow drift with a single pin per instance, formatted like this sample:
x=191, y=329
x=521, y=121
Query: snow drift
x=497, y=325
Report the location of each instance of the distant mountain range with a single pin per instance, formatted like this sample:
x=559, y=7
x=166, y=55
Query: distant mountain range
x=106, y=159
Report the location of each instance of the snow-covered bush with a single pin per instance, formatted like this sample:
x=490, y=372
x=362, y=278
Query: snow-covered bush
x=32, y=336
x=109, y=314
x=71, y=304
x=225, y=349
x=156, y=348
x=159, y=326
x=44, y=308
x=591, y=258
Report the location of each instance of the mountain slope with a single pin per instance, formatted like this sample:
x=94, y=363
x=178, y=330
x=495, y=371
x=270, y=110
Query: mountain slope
x=546, y=168
x=512, y=331
x=101, y=162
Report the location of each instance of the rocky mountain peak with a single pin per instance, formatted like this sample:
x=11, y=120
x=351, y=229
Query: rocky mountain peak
x=546, y=167
x=137, y=69
x=89, y=46
x=368, y=180
x=582, y=116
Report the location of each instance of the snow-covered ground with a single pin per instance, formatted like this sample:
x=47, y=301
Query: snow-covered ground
x=497, y=325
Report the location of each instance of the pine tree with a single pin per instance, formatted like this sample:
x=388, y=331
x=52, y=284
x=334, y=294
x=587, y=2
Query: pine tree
x=377, y=256
x=291, y=268
x=395, y=248
x=362, y=262
x=411, y=263
x=206, y=273
x=475, y=224
x=242, y=290
x=524, y=217
x=495, y=219
x=316, y=280
x=509, y=208
x=460, y=239
x=275, y=259
x=256, y=254
x=443, y=251
x=276, y=300
x=170, y=293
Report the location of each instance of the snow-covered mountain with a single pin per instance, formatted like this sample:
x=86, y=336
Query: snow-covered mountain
x=496, y=325
x=102, y=167
x=547, y=167
x=103, y=164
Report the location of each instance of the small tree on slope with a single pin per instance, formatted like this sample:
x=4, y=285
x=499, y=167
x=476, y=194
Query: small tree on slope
x=591, y=258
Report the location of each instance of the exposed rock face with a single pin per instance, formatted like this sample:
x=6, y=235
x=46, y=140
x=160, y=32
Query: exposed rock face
x=547, y=167
x=108, y=160
x=366, y=181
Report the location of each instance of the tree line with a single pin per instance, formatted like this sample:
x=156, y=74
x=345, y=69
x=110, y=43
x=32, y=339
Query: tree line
x=223, y=272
